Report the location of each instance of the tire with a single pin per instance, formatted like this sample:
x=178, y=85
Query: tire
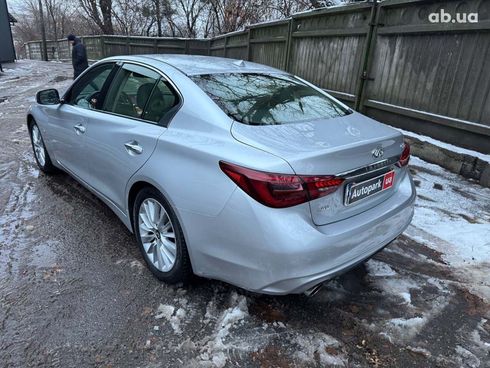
x=153, y=234
x=41, y=154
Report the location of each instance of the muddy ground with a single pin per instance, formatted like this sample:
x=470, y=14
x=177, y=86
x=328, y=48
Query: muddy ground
x=74, y=290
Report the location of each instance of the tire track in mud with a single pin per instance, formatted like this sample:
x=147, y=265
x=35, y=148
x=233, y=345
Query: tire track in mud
x=455, y=319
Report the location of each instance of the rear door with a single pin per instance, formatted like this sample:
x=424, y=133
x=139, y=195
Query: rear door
x=123, y=134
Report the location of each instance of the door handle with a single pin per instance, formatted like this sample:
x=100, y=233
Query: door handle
x=79, y=128
x=133, y=147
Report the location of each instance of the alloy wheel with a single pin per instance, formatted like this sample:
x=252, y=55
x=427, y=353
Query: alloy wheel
x=38, y=144
x=157, y=235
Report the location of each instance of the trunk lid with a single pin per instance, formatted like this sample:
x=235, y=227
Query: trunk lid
x=343, y=145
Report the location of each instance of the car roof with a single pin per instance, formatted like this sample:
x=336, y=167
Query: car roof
x=197, y=64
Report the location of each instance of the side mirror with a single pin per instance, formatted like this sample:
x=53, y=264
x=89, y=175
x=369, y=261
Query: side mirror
x=48, y=97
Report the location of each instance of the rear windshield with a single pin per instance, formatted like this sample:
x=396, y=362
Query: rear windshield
x=263, y=99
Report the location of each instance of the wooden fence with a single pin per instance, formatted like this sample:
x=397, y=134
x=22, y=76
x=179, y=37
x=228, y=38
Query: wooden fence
x=387, y=60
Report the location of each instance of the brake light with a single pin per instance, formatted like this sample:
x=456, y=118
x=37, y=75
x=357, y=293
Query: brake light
x=280, y=190
x=405, y=156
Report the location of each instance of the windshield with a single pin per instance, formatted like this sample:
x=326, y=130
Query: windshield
x=263, y=99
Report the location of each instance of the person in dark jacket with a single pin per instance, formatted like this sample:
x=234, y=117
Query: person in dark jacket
x=78, y=56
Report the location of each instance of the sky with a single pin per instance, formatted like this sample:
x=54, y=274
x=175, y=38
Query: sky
x=15, y=5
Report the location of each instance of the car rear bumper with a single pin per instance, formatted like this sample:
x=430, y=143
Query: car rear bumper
x=281, y=251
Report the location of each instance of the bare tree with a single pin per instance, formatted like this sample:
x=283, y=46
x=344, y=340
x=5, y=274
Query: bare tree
x=192, y=10
x=174, y=18
x=163, y=12
x=232, y=15
x=28, y=25
x=100, y=12
x=158, y=15
x=285, y=8
x=133, y=17
x=60, y=14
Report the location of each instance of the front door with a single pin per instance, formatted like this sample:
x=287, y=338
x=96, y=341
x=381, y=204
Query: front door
x=68, y=122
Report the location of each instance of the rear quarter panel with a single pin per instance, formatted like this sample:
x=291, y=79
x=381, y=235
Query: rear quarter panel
x=185, y=164
x=185, y=169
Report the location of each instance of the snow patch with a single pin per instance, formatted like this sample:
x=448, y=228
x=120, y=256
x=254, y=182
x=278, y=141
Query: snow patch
x=476, y=337
x=469, y=242
x=453, y=221
x=445, y=145
x=379, y=269
x=322, y=345
x=219, y=360
x=217, y=344
x=408, y=327
x=403, y=329
x=165, y=311
x=172, y=316
x=466, y=358
x=420, y=351
x=397, y=286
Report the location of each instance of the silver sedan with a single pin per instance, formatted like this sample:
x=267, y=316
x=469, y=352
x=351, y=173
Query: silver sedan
x=228, y=169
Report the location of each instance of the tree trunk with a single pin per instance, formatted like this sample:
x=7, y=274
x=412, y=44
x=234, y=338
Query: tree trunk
x=159, y=17
x=44, y=51
x=106, y=10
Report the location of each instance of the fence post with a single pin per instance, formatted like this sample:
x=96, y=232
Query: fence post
x=367, y=57
x=102, y=46
x=289, y=40
x=224, y=48
x=248, y=43
x=186, y=46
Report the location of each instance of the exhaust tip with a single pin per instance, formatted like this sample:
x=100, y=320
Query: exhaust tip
x=312, y=291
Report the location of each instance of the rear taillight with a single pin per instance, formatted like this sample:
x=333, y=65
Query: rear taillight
x=280, y=190
x=405, y=156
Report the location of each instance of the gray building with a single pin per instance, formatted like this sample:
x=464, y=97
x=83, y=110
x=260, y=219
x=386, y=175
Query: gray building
x=7, y=50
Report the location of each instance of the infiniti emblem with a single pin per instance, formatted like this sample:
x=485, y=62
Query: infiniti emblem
x=377, y=152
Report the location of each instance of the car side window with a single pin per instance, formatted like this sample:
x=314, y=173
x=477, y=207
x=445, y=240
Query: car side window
x=130, y=90
x=163, y=98
x=85, y=91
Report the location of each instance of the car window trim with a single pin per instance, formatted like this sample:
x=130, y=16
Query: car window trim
x=166, y=118
x=346, y=109
x=108, y=83
x=67, y=94
x=148, y=99
x=121, y=70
